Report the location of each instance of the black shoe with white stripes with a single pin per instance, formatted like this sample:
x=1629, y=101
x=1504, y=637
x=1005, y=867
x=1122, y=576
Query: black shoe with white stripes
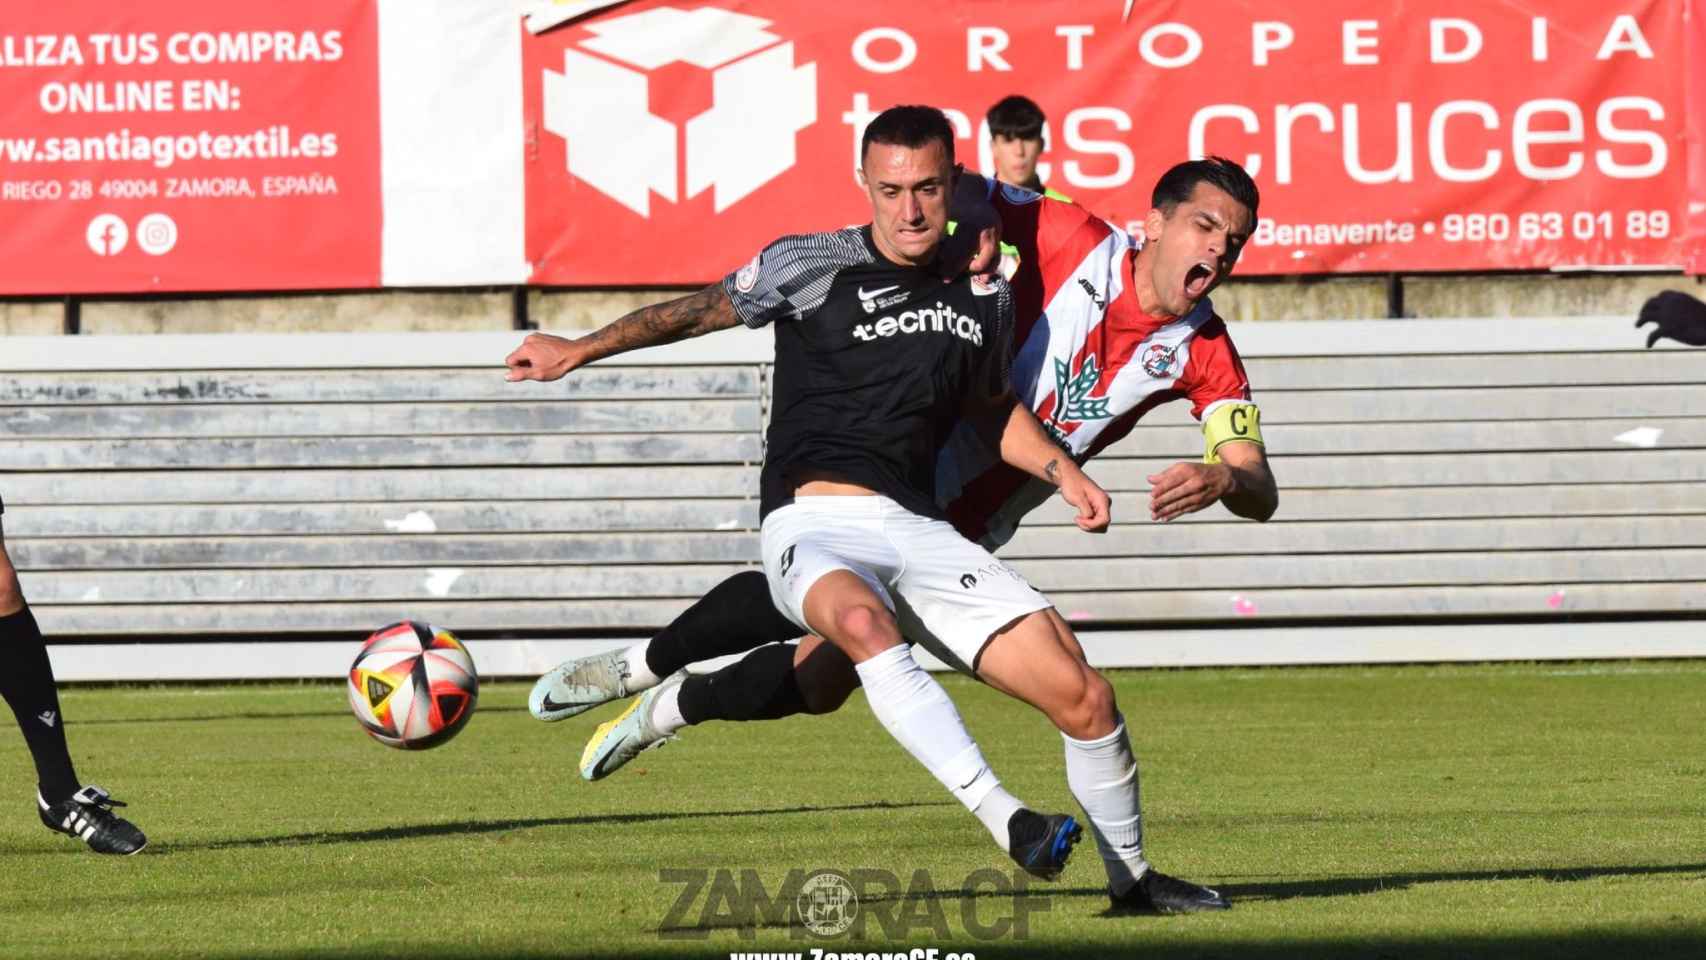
x=89, y=817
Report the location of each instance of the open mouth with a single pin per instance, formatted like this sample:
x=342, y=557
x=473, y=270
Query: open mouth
x=1198, y=279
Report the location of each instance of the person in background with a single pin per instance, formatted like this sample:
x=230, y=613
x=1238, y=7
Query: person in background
x=1016, y=139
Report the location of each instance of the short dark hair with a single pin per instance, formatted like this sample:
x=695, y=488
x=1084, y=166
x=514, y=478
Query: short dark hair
x=1016, y=118
x=910, y=125
x=1177, y=184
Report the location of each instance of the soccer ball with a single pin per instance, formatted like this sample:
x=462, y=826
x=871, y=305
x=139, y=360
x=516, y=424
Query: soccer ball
x=413, y=686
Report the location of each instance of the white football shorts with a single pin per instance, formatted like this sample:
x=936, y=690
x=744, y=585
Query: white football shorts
x=948, y=594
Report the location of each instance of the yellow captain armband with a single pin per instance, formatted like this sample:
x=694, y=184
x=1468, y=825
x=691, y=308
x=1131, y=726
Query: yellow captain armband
x=1229, y=422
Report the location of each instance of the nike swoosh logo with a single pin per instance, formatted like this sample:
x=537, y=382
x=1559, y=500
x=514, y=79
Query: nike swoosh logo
x=550, y=704
x=968, y=783
x=874, y=294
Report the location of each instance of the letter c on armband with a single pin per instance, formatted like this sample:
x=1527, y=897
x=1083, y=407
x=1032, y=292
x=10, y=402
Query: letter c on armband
x=1229, y=422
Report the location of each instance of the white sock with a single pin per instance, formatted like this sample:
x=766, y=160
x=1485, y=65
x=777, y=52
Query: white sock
x=994, y=812
x=640, y=676
x=1103, y=776
x=917, y=712
x=666, y=710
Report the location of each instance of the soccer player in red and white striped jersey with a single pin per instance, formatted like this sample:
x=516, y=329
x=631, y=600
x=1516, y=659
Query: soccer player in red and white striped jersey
x=1107, y=331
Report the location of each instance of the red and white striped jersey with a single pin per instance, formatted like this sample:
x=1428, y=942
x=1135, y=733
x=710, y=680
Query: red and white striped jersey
x=1087, y=360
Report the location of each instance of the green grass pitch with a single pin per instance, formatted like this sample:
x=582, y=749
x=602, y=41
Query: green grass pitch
x=1540, y=810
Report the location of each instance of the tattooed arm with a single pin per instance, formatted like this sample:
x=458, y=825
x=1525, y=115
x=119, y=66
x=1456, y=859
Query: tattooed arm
x=545, y=357
x=1025, y=445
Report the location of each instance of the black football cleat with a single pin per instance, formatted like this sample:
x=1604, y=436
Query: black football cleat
x=1156, y=893
x=1041, y=843
x=89, y=817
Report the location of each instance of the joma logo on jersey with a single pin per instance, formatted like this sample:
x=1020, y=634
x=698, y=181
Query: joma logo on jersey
x=938, y=319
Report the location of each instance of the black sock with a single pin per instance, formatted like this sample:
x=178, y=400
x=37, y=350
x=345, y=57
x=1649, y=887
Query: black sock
x=759, y=686
x=736, y=616
x=27, y=683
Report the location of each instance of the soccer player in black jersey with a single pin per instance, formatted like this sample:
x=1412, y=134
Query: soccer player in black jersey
x=876, y=359
x=84, y=812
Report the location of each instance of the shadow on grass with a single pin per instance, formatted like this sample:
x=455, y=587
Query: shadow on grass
x=1169, y=942
x=1238, y=893
x=1280, y=889
x=500, y=826
x=246, y=715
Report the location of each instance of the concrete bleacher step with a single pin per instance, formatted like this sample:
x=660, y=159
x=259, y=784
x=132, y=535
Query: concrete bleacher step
x=1434, y=476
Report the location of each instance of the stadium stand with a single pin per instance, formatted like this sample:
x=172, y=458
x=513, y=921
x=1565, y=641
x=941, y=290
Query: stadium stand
x=1451, y=490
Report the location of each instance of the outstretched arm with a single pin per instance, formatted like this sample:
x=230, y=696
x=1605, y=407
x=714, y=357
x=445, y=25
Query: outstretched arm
x=543, y=356
x=1025, y=445
x=1241, y=480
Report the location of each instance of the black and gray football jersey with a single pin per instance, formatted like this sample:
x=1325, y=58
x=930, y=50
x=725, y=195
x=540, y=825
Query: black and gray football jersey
x=874, y=362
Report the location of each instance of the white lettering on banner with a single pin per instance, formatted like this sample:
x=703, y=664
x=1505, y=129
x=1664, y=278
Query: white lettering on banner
x=1528, y=129
x=984, y=46
x=177, y=188
x=99, y=96
x=1523, y=138
x=1172, y=45
x=1231, y=111
x=1124, y=163
x=40, y=50
x=1074, y=35
x=1471, y=228
x=1439, y=32
x=908, y=50
x=1625, y=37
x=958, y=120
x=1357, y=41
x=211, y=95
x=313, y=185
x=125, y=49
x=1436, y=141
x=1285, y=115
x=1266, y=36
x=858, y=116
x=1658, y=149
x=1268, y=233
x=256, y=46
x=1403, y=168
x=1146, y=45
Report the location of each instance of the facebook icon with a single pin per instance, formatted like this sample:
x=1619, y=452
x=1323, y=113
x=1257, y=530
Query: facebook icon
x=107, y=234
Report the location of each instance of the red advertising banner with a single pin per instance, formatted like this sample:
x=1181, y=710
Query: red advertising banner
x=669, y=139
x=1694, y=28
x=179, y=144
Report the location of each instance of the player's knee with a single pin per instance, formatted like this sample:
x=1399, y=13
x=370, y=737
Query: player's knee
x=1093, y=712
x=864, y=628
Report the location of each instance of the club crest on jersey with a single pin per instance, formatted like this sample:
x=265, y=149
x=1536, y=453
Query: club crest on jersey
x=747, y=277
x=1072, y=400
x=1158, y=360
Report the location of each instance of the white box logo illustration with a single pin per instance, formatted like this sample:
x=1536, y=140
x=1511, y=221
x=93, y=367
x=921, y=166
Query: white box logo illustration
x=760, y=101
